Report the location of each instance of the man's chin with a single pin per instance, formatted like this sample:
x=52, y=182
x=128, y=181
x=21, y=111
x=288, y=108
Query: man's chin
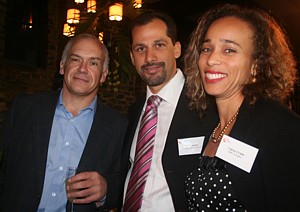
x=154, y=82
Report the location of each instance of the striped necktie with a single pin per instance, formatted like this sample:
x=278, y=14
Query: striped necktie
x=143, y=156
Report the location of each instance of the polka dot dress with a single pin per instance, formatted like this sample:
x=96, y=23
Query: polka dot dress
x=209, y=188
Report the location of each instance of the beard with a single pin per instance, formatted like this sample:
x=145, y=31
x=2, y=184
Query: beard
x=156, y=78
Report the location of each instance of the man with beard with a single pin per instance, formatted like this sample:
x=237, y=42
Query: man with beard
x=175, y=145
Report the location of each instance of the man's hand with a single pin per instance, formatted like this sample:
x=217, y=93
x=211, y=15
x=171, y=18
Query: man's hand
x=86, y=187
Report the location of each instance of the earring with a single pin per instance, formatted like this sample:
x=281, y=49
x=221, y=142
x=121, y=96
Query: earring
x=253, y=80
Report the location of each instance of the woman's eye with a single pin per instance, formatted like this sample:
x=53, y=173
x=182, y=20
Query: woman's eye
x=205, y=50
x=230, y=51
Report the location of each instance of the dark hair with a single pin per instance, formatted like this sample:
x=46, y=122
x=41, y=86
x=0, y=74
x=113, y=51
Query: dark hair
x=149, y=16
x=275, y=64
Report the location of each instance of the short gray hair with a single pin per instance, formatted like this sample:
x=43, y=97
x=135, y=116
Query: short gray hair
x=85, y=36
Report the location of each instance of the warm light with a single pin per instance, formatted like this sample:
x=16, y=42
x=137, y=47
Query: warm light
x=79, y=1
x=137, y=3
x=68, y=30
x=100, y=36
x=27, y=23
x=30, y=21
x=73, y=16
x=116, y=12
x=91, y=6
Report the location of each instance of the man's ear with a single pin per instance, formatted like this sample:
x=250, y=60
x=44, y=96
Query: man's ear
x=132, y=58
x=103, y=76
x=177, y=49
x=61, y=68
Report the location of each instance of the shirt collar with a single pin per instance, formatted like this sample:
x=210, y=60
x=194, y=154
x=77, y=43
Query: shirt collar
x=171, y=91
x=92, y=106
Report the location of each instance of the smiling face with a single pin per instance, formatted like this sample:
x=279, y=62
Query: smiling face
x=83, y=69
x=225, y=60
x=153, y=54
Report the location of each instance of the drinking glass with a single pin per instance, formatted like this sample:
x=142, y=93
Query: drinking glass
x=71, y=171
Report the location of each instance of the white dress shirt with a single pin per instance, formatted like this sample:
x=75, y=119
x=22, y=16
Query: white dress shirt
x=157, y=194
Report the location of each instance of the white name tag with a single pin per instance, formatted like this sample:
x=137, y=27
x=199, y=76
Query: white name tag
x=190, y=146
x=237, y=153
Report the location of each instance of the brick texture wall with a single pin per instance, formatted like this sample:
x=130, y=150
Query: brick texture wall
x=16, y=79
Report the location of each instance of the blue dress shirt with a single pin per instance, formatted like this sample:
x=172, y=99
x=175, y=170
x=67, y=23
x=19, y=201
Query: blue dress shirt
x=67, y=141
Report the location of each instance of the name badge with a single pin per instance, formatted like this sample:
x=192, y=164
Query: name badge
x=190, y=146
x=237, y=153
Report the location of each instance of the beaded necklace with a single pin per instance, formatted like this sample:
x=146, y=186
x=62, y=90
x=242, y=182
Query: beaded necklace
x=216, y=140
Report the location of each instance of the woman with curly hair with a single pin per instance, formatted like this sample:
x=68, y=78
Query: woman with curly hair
x=239, y=61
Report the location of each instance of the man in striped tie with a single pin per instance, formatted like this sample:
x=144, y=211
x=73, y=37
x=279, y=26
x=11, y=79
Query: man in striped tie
x=153, y=168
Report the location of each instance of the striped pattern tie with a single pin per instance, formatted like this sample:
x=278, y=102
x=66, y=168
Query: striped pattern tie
x=143, y=156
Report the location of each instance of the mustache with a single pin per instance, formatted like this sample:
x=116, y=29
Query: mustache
x=152, y=64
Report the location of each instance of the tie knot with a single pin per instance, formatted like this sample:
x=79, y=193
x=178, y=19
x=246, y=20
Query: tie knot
x=154, y=101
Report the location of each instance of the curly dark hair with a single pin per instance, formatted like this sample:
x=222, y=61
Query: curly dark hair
x=275, y=63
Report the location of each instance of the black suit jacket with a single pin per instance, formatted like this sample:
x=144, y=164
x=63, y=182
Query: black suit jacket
x=185, y=124
x=274, y=181
x=25, y=140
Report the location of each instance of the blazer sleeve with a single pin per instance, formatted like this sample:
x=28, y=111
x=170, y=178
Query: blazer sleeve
x=273, y=182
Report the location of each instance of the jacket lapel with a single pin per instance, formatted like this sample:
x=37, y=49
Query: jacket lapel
x=177, y=124
x=42, y=116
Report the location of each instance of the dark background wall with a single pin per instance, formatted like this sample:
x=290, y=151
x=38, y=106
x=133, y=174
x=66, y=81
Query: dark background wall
x=29, y=57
